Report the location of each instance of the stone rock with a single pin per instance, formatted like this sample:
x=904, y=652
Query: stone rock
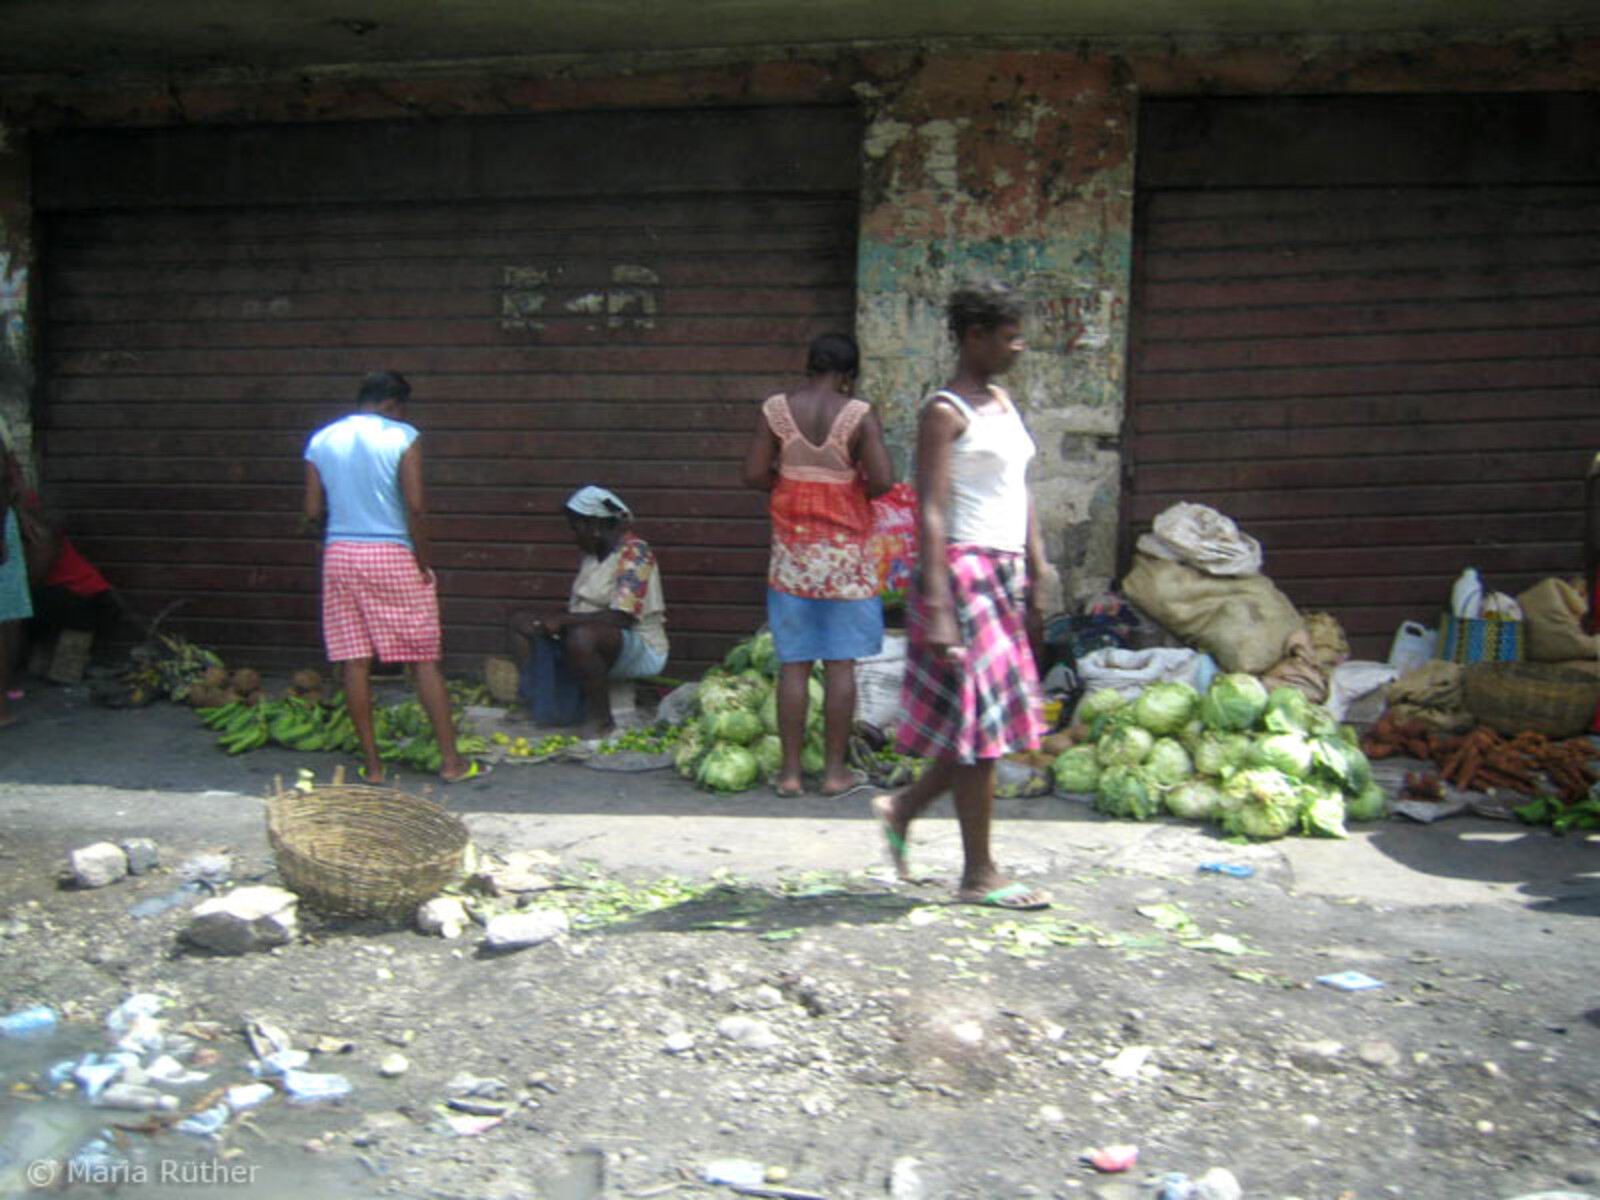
x=245, y=919
x=443, y=915
x=511, y=931
x=905, y=1181
x=678, y=1042
x=393, y=1065
x=1379, y=1055
x=97, y=865
x=1127, y=1062
x=1317, y=1058
x=143, y=855
x=748, y=1032
x=1218, y=1184
x=519, y=871
x=766, y=997
x=1583, y=1176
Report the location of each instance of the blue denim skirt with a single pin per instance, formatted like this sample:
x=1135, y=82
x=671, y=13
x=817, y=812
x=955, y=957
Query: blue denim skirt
x=805, y=630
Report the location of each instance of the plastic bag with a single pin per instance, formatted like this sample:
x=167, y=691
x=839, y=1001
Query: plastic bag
x=1202, y=538
x=892, y=545
x=548, y=688
x=1241, y=622
x=1413, y=646
x=878, y=682
x=1129, y=672
x=1355, y=691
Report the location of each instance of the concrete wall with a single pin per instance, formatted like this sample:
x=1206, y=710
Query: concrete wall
x=1018, y=167
x=16, y=259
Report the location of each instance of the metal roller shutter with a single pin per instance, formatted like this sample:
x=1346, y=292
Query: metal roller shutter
x=618, y=334
x=1369, y=330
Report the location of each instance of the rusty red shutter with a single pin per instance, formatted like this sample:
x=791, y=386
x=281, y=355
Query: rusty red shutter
x=618, y=337
x=1382, y=369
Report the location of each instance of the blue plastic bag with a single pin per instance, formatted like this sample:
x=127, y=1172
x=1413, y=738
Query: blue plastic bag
x=548, y=689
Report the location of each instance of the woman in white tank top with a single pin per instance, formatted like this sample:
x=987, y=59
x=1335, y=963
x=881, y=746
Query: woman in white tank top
x=971, y=688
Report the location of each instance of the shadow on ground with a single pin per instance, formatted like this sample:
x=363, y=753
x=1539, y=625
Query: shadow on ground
x=1557, y=874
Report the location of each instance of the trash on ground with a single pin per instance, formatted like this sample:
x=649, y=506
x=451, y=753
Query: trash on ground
x=1109, y=1160
x=1350, y=981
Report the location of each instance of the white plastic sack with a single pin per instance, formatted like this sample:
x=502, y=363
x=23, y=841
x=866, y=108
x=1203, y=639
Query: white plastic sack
x=1129, y=672
x=878, y=683
x=1356, y=690
x=1413, y=645
x=1204, y=539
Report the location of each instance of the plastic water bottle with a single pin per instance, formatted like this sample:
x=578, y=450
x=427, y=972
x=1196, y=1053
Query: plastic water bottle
x=29, y=1022
x=1466, y=597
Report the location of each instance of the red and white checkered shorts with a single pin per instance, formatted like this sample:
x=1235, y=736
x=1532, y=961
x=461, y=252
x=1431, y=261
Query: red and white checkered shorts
x=376, y=602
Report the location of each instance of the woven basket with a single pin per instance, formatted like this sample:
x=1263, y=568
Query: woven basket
x=355, y=851
x=502, y=677
x=1512, y=698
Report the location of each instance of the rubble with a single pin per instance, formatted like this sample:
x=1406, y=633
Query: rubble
x=245, y=919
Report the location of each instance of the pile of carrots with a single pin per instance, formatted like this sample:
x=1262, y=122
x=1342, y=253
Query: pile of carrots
x=1529, y=764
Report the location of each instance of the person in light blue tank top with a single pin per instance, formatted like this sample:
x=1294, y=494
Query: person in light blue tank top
x=358, y=459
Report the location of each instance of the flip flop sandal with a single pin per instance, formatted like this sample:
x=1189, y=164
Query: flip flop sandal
x=362, y=771
x=475, y=770
x=861, y=781
x=1014, y=896
x=895, y=841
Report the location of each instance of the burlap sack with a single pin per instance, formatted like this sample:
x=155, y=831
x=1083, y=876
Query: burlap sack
x=1243, y=622
x=1299, y=669
x=1552, y=615
x=1431, y=694
x=1329, y=645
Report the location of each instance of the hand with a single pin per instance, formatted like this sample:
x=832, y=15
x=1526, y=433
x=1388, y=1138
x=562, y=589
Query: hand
x=944, y=637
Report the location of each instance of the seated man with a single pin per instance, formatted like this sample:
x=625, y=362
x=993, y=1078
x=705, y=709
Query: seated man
x=615, y=623
x=68, y=593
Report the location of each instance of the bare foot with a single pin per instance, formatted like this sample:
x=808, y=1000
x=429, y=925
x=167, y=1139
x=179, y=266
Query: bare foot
x=788, y=786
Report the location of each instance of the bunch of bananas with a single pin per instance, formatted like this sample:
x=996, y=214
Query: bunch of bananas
x=403, y=732
x=166, y=665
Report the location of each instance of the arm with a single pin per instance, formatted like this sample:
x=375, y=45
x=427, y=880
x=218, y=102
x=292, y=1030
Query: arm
x=937, y=431
x=416, y=505
x=315, y=511
x=876, y=468
x=760, y=458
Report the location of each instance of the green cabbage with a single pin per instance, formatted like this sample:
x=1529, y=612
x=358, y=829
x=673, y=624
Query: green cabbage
x=1192, y=734
x=1371, y=803
x=1286, y=752
x=1077, y=771
x=1125, y=745
x=1169, y=763
x=769, y=711
x=1321, y=812
x=1233, y=703
x=1194, y=800
x=738, y=725
x=1165, y=708
x=813, y=759
x=686, y=756
x=1345, y=764
x=1124, y=792
x=764, y=654
x=1098, y=704
x=728, y=768
x=1288, y=711
x=1220, y=754
x=768, y=750
x=1260, y=803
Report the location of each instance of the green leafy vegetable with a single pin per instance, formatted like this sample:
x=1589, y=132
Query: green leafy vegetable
x=1165, y=708
x=1077, y=771
x=1168, y=763
x=1125, y=745
x=1233, y=703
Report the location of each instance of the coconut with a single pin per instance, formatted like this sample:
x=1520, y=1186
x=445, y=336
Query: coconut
x=206, y=695
x=246, y=681
x=216, y=677
x=306, y=681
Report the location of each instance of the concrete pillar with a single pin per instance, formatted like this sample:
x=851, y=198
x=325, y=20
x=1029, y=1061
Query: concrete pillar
x=1017, y=166
x=16, y=259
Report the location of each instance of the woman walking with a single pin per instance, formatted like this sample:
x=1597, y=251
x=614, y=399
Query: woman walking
x=821, y=454
x=971, y=685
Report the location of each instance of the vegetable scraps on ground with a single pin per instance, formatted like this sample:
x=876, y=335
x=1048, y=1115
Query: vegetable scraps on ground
x=1260, y=764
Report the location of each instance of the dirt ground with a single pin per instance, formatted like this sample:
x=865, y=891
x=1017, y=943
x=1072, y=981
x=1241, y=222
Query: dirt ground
x=741, y=982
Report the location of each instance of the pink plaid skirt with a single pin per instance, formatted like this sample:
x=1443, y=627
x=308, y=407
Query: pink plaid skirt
x=376, y=603
x=985, y=705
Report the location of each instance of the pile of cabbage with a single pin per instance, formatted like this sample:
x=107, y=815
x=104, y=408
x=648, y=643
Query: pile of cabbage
x=731, y=745
x=1261, y=765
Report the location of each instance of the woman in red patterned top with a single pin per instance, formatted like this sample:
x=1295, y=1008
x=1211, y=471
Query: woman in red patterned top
x=821, y=454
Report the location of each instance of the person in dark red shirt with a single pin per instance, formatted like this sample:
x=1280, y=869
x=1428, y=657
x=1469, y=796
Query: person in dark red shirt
x=68, y=593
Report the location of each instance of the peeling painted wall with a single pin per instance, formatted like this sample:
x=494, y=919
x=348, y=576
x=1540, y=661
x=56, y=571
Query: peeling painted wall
x=1017, y=167
x=16, y=257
